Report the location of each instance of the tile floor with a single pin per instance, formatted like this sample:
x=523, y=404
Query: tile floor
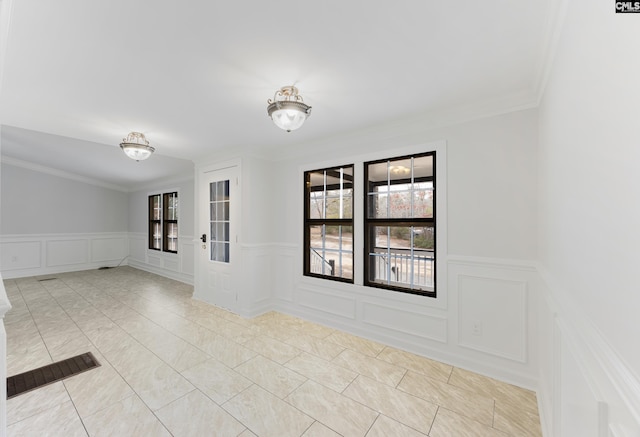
x=175, y=366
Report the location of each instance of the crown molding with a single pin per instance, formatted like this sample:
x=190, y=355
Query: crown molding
x=59, y=173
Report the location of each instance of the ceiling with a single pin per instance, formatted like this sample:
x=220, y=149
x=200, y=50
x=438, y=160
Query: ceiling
x=195, y=76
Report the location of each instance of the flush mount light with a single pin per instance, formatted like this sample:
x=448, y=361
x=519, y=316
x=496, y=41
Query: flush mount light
x=136, y=146
x=287, y=110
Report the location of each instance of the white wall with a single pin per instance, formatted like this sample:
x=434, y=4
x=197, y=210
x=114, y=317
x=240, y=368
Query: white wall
x=589, y=187
x=178, y=266
x=52, y=224
x=490, y=225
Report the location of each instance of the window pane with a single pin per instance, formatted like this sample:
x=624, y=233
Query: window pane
x=402, y=256
x=330, y=193
x=219, y=221
x=331, y=250
x=156, y=236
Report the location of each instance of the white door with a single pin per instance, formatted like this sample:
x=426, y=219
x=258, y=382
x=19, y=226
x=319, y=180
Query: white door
x=219, y=219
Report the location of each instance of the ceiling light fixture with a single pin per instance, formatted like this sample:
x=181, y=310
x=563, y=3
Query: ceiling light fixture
x=136, y=146
x=287, y=110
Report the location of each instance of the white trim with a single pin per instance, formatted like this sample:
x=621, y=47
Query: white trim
x=502, y=263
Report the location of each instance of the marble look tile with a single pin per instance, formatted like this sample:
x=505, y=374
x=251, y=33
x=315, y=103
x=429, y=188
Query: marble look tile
x=515, y=420
x=247, y=433
x=316, y=346
x=324, y=372
x=271, y=376
x=450, y=424
x=35, y=401
x=385, y=427
x=314, y=329
x=467, y=403
x=216, y=380
x=66, y=346
x=197, y=415
x=227, y=351
x=379, y=370
x=129, y=417
x=61, y=420
x=32, y=357
x=498, y=390
x=273, y=349
x=319, y=430
x=266, y=415
x=338, y=412
x=417, y=363
x=158, y=386
x=396, y=404
x=97, y=389
x=355, y=343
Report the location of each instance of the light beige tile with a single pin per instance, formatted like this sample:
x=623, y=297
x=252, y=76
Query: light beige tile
x=158, y=386
x=273, y=349
x=355, y=343
x=319, y=430
x=36, y=401
x=228, y=351
x=271, y=376
x=385, y=427
x=338, y=412
x=61, y=420
x=396, y=404
x=129, y=417
x=316, y=346
x=467, y=403
x=450, y=424
x=66, y=346
x=266, y=415
x=417, y=363
x=216, y=380
x=324, y=372
x=96, y=389
x=197, y=415
x=498, y=390
x=515, y=420
x=314, y=329
x=32, y=357
x=379, y=370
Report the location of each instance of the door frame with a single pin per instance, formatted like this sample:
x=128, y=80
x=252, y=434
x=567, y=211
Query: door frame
x=199, y=278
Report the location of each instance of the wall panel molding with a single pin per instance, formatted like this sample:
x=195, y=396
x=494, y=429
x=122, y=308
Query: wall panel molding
x=587, y=374
x=40, y=254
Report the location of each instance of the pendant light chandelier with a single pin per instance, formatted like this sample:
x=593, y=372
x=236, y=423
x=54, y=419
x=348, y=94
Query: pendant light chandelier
x=287, y=110
x=136, y=146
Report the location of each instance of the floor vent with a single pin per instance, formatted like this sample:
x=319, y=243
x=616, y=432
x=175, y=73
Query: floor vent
x=46, y=279
x=49, y=374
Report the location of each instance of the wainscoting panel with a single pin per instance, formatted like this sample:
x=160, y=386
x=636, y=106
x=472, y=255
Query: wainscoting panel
x=327, y=301
x=405, y=321
x=108, y=249
x=587, y=391
x=24, y=255
x=493, y=316
x=40, y=254
x=178, y=266
x=67, y=252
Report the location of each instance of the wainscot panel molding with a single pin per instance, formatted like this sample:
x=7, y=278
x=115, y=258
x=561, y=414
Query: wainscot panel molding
x=585, y=389
x=507, y=308
x=178, y=266
x=255, y=295
x=41, y=254
x=5, y=306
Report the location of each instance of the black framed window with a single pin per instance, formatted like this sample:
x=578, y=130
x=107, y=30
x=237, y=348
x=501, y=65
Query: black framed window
x=328, y=223
x=400, y=224
x=163, y=222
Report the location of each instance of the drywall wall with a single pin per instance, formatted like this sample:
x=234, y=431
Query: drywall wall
x=589, y=187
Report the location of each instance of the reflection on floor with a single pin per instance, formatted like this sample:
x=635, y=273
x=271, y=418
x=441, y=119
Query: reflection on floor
x=175, y=366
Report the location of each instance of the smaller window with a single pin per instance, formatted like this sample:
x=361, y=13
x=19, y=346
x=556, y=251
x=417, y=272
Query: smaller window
x=328, y=223
x=163, y=222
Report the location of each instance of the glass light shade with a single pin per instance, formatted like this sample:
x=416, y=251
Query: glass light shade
x=136, y=146
x=287, y=110
x=288, y=119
